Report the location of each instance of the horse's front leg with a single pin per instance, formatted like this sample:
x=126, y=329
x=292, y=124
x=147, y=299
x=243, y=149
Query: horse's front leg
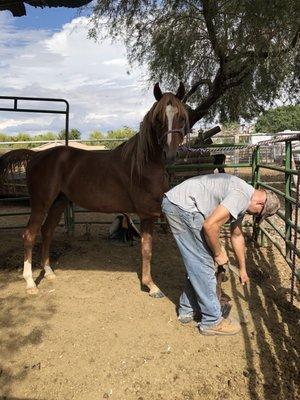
x=146, y=248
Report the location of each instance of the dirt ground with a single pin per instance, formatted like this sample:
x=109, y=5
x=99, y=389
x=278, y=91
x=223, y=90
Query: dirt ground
x=93, y=334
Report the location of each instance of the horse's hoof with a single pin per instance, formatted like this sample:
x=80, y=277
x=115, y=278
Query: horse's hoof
x=50, y=277
x=157, y=295
x=224, y=298
x=32, y=290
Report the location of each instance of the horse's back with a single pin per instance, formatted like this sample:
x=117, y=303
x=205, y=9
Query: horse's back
x=65, y=157
x=95, y=180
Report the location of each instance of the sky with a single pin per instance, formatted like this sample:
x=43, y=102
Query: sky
x=47, y=54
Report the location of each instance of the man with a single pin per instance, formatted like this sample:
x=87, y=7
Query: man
x=196, y=209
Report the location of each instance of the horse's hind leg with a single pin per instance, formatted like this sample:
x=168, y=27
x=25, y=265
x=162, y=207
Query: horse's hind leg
x=146, y=244
x=29, y=236
x=54, y=215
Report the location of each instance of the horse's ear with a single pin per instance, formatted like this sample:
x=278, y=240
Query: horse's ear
x=181, y=91
x=157, y=92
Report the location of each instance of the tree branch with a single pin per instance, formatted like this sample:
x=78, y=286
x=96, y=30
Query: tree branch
x=221, y=83
x=207, y=11
x=213, y=95
x=238, y=79
x=195, y=87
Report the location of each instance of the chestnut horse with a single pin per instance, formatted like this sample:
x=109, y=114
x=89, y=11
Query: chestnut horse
x=129, y=179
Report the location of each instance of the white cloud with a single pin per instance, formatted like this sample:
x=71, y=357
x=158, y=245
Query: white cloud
x=93, y=77
x=116, y=61
x=98, y=117
x=13, y=123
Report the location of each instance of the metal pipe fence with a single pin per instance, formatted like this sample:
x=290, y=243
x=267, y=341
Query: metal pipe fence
x=288, y=234
x=284, y=237
x=14, y=104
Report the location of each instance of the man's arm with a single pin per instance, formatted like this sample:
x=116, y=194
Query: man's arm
x=211, y=229
x=238, y=244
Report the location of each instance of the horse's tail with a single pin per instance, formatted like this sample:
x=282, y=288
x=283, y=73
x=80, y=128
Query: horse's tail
x=15, y=159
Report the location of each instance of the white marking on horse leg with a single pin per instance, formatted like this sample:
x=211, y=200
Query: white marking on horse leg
x=170, y=112
x=49, y=274
x=27, y=275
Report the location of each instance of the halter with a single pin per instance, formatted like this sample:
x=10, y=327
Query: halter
x=180, y=130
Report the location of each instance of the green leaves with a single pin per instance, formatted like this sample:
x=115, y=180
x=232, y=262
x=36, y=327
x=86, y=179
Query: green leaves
x=122, y=133
x=74, y=134
x=248, y=50
x=279, y=119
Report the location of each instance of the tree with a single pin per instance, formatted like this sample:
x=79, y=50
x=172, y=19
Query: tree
x=5, y=138
x=46, y=136
x=279, y=119
x=22, y=137
x=96, y=135
x=122, y=133
x=74, y=134
x=237, y=56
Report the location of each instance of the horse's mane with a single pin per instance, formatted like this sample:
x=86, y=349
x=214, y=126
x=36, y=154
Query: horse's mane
x=141, y=146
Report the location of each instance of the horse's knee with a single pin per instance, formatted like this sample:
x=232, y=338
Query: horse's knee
x=28, y=238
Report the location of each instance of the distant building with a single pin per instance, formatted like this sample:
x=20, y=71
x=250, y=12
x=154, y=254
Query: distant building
x=77, y=145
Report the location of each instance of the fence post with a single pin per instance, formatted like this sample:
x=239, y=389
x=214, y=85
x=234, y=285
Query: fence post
x=288, y=192
x=236, y=153
x=255, y=178
x=255, y=168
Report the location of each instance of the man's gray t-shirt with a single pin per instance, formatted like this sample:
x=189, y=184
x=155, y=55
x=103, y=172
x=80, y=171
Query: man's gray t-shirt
x=204, y=193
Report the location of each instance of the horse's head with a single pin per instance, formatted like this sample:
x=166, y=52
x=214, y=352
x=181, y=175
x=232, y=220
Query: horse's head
x=169, y=121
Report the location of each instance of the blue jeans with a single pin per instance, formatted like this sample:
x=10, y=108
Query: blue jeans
x=199, y=294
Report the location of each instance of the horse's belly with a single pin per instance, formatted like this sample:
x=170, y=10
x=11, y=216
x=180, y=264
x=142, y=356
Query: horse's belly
x=101, y=201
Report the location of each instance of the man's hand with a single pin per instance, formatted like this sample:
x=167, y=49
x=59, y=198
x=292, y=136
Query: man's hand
x=244, y=278
x=222, y=258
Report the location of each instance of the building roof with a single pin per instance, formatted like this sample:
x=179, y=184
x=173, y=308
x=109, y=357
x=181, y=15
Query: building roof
x=77, y=145
x=17, y=7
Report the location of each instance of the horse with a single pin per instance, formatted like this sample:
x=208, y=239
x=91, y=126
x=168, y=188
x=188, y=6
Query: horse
x=128, y=179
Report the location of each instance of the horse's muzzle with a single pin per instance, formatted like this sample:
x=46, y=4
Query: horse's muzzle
x=168, y=159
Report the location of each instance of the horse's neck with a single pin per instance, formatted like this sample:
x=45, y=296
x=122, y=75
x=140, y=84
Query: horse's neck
x=152, y=154
x=141, y=157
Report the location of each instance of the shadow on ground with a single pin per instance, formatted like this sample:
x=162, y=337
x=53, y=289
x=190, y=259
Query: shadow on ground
x=275, y=367
x=23, y=323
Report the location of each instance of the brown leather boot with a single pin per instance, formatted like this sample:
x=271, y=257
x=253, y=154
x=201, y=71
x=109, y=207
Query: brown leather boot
x=225, y=327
